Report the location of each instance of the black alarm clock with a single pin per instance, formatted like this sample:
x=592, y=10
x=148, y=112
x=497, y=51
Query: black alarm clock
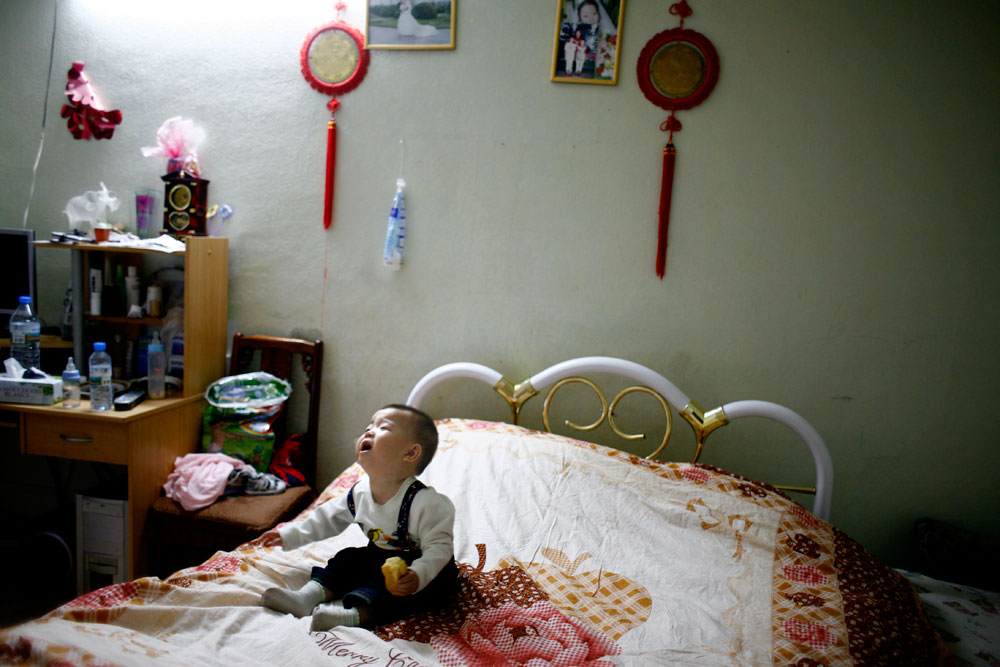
x=184, y=204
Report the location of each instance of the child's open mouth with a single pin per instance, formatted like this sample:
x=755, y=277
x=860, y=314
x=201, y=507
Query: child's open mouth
x=366, y=447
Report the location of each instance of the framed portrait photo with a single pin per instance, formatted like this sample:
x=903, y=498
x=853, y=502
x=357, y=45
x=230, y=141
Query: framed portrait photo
x=588, y=41
x=410, y=24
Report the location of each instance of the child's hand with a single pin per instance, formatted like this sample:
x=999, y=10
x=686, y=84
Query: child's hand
x=407, y=584
x=271, y=538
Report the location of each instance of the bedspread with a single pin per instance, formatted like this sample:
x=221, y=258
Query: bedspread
x=570, y=553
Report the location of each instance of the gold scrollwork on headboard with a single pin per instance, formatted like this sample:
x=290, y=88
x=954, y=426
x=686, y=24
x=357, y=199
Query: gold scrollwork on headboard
x=666, y=411
x=515, y=394
x=608, y=411
x=703, y=423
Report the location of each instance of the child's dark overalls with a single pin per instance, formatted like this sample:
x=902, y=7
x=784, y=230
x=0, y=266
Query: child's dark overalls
x=355, y=573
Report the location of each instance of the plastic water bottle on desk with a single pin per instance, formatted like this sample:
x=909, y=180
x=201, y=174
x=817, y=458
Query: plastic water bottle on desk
x=25, y=335
x=71, y=385
x=101, y=392
x=157, y=361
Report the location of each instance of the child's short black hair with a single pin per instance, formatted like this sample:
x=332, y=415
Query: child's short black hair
x=424, y=432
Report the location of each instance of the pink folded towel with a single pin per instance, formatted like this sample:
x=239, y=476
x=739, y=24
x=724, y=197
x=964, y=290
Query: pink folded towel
x=199, y=479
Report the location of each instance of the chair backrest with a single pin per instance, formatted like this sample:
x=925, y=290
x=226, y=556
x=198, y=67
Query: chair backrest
x=275, y=355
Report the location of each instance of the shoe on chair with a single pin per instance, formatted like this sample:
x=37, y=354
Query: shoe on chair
x=264, y=484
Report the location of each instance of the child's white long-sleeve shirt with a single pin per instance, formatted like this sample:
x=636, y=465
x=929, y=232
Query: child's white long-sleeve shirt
x=431, y=525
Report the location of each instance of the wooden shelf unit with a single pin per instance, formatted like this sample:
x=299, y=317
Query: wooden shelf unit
x=206, y=297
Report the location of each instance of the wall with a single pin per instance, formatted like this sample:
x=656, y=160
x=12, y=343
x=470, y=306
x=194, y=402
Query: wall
x=833, y=241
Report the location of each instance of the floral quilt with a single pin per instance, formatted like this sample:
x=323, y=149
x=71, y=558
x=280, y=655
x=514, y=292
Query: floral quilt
x=569, y=553
x=967, y=618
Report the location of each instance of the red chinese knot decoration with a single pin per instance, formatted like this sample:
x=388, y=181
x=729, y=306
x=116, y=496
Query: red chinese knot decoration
x=677, y=70
x=334, y=62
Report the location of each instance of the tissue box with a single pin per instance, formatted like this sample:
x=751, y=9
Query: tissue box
x=40, y=391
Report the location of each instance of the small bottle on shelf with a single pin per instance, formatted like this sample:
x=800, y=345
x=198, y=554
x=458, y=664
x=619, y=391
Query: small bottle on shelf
x=122, y=291
x=157, y=362
x=109, y=294
x=71, y=385
x=101, y=391
x=132, y=290
x=117, y=352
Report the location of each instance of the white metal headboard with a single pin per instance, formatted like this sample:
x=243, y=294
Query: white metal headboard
x=702, y=422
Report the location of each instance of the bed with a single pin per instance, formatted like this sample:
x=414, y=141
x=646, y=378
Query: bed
x=570, y=553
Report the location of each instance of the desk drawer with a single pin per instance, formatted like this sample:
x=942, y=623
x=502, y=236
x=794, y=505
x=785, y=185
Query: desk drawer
x=85, y=439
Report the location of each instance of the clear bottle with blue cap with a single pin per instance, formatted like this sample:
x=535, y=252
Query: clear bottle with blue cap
x=157, y=362
x=101, y=391
x=25, y=335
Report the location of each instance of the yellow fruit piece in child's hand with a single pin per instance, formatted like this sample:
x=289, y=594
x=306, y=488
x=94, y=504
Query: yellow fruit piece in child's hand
x=392, y=569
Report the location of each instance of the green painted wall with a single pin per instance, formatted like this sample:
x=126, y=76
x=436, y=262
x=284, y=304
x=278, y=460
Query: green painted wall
x=833, y=243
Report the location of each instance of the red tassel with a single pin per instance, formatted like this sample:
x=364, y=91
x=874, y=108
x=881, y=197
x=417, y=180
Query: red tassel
x=331, y=165
x=666, y=192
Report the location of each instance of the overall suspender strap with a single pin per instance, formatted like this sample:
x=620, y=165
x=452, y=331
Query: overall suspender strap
x=403, y=523
x=350, y=501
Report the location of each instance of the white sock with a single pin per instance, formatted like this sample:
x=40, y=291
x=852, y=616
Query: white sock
x=328, y=616
x=298, y=603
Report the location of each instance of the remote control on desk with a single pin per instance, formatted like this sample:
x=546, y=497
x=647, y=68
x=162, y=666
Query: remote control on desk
x=129, y=399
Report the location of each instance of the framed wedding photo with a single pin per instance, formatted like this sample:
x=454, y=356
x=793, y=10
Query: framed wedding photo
x=588, y=41
x=410, y=24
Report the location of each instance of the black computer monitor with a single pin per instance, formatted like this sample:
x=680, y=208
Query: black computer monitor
x=17, y=272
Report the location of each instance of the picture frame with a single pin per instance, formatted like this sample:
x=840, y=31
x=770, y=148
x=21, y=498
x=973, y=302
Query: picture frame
x=410, y=24
x=588, y=39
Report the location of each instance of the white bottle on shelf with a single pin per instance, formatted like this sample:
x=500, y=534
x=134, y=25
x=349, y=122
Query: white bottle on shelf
x=71, y=385
x=156, y=360
x=25, y=335
x=132, y=292
x=101, y=391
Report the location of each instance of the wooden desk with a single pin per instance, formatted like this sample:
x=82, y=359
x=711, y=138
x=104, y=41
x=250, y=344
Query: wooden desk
x=149, y=437
x=145, y=439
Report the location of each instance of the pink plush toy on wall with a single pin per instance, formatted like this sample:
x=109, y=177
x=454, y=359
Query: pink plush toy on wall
x=86, y=117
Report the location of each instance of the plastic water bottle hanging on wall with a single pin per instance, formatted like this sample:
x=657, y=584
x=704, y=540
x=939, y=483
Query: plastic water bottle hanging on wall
x=395, y=235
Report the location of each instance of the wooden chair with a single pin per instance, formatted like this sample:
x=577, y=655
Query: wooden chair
x=176, y=538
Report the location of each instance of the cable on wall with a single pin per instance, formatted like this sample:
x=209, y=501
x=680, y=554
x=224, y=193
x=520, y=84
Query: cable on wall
x=45, y=107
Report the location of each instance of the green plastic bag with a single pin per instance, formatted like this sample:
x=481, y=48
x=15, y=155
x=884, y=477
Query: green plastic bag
x=247, y=395
x=240, y=417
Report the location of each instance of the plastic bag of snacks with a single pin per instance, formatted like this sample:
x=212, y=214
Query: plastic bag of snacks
x=248, y=394
x=240, y=416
